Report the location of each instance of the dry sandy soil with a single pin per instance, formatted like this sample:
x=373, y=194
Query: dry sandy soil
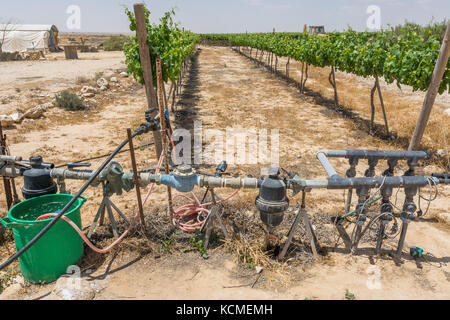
x=225, y=89
x=43, y=78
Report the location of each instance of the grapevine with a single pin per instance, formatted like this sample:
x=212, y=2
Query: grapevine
x=166, y=38
x=406, y=58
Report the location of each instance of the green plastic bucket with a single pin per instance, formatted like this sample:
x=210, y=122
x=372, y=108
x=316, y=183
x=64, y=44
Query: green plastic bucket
x=57, y=249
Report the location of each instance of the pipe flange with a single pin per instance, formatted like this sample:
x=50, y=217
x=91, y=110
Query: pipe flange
x=184, y=170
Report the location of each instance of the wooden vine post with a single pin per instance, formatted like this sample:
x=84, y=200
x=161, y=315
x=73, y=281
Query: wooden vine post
x=433, y=89
x=162, y=117
x=144, y=54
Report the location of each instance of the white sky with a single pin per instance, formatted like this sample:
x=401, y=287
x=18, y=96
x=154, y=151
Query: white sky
x=227, y=15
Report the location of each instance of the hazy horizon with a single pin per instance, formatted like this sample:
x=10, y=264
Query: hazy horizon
x=203, y=16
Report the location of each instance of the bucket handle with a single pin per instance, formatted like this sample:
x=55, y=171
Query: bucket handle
x=83, y=199
x=8, y=223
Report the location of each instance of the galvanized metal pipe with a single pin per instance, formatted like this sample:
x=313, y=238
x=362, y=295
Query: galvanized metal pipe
x=60, y=173
x=346, y=183
x=234, y=183
x=7, y=158
x=327, y=165
x=376, y=154
x=10, y=171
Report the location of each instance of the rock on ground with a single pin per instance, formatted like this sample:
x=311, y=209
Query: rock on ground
x=17, y=117
x=88, y=89
x=12, y=292
x=73, y=288
x=102, y=82
x=47, y=105
x=34, y=113
x=6, y=121
x=88, y=95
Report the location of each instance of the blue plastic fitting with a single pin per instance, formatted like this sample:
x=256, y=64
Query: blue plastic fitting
x=183, y=184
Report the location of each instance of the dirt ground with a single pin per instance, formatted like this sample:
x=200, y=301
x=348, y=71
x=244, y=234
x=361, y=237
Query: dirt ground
x=26, y=81
x=224, y=89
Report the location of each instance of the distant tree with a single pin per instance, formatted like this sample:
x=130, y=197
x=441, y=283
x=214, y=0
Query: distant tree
x=5, y=29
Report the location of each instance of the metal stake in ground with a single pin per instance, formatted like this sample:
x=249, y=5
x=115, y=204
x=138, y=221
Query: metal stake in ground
x=162, y=118
x=214, y=214
x=136, y=181
x=106, y=205
x=6, y=182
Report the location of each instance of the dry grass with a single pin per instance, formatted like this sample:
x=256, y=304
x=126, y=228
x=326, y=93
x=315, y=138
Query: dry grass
x=252, y=253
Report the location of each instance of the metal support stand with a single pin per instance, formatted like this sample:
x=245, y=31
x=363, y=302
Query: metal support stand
x=107, y=205
x=215, y=214
x=381, y=229
x=401, y=241
x=387, y=215
x=407, y=216
x=344, y=235
x=351, y=173
x=301, y=215
x=361, y=208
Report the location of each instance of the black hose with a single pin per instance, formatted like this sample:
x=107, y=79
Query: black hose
x=66, y=207
x=104, y=155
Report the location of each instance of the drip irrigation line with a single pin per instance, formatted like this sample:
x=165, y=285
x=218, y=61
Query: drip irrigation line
x=430, y=198
x=66, y=207
x=105, y=155
x=354, y=210
x=373, y=221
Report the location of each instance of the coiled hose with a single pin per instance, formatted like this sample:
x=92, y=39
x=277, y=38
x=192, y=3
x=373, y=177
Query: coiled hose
x=195, y=207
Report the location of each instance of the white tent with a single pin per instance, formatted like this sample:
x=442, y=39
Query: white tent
x=26, y=37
